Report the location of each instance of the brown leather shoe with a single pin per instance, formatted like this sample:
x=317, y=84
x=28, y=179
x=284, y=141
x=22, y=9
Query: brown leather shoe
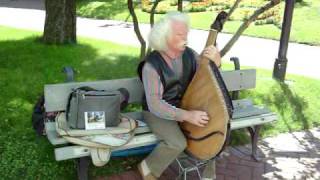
x=145, y=177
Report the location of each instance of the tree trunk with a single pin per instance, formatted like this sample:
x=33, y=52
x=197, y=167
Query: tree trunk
x=245, y=25
x=60, y=23
x=180, y=3
x=137, y=30
x=235, y=5
x=153, y=9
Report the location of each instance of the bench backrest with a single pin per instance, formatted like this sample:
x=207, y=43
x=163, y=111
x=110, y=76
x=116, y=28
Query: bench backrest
x=56, y=95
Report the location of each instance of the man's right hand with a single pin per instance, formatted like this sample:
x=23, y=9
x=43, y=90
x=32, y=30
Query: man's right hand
x=198, y=118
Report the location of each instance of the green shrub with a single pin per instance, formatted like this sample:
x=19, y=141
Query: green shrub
x=162, y=8
x=252, y=3
x=221, y=7
x=173, y=2
x=246, y=14
x=197, y=9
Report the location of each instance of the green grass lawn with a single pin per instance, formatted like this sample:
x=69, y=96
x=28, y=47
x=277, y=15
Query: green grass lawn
x=26, y=66
x=305, y=25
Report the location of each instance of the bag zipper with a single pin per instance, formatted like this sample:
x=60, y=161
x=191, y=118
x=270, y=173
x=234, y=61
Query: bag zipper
x=84, y=95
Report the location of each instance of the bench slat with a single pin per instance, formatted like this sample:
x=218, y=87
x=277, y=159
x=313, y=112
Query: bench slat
x=252, y=121
x=52, y=134
x=71, y=152
x=56, y=95
x=246, y=114
x=249, y=111
x=243, y=109
x=55, y=139
x=241, y=103
x=236, y=80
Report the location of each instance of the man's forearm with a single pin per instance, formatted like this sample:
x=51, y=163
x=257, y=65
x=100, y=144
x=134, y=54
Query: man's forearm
x=153, y=92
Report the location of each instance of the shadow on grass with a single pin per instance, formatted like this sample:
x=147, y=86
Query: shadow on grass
x=290, y=107
x=286, y=101
x=302, y=3
x=26, y=65
x=297, y=104
x=292, y=104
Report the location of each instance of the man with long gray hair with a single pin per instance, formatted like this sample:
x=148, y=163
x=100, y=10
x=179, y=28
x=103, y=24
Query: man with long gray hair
x=166, y=73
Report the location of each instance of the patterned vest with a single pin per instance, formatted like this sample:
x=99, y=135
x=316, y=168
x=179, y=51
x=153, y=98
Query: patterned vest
x=174, y=85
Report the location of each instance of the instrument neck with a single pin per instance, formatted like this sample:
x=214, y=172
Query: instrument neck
x=212, y=37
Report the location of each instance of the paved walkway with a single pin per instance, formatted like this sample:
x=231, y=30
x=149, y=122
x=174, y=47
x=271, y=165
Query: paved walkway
x=257, y=52
x=287, y=156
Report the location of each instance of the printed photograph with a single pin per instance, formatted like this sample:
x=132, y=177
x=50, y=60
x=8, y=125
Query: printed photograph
x=95, y=116
x=94, y=120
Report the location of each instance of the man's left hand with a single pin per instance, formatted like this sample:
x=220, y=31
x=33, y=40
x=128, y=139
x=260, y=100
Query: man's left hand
x=213, y=54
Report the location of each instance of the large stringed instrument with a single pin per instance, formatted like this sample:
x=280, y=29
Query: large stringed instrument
x=207, y=92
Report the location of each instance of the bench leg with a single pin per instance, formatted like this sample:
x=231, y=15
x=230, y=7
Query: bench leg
x=254, y=133
x=82, y=168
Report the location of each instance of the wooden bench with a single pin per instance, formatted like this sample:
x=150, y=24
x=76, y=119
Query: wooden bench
x=246, y=115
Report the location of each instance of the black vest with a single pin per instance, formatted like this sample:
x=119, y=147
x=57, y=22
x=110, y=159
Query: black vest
x=174, y=86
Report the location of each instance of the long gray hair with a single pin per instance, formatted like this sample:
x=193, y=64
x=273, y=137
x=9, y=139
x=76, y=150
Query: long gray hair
x=162, y=29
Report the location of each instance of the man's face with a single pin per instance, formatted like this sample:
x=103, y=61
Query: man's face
x=177, y=40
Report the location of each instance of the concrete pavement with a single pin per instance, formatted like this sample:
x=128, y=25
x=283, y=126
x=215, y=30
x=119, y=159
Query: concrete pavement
x=256, y=52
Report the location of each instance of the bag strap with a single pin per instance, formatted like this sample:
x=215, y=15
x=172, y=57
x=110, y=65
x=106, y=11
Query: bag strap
x=123, y=127
x=100, y=152
x=68, y=103
x=86, y=141
x=100, y=157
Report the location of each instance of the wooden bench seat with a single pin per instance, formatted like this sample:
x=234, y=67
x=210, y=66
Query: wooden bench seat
x=246, y=114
